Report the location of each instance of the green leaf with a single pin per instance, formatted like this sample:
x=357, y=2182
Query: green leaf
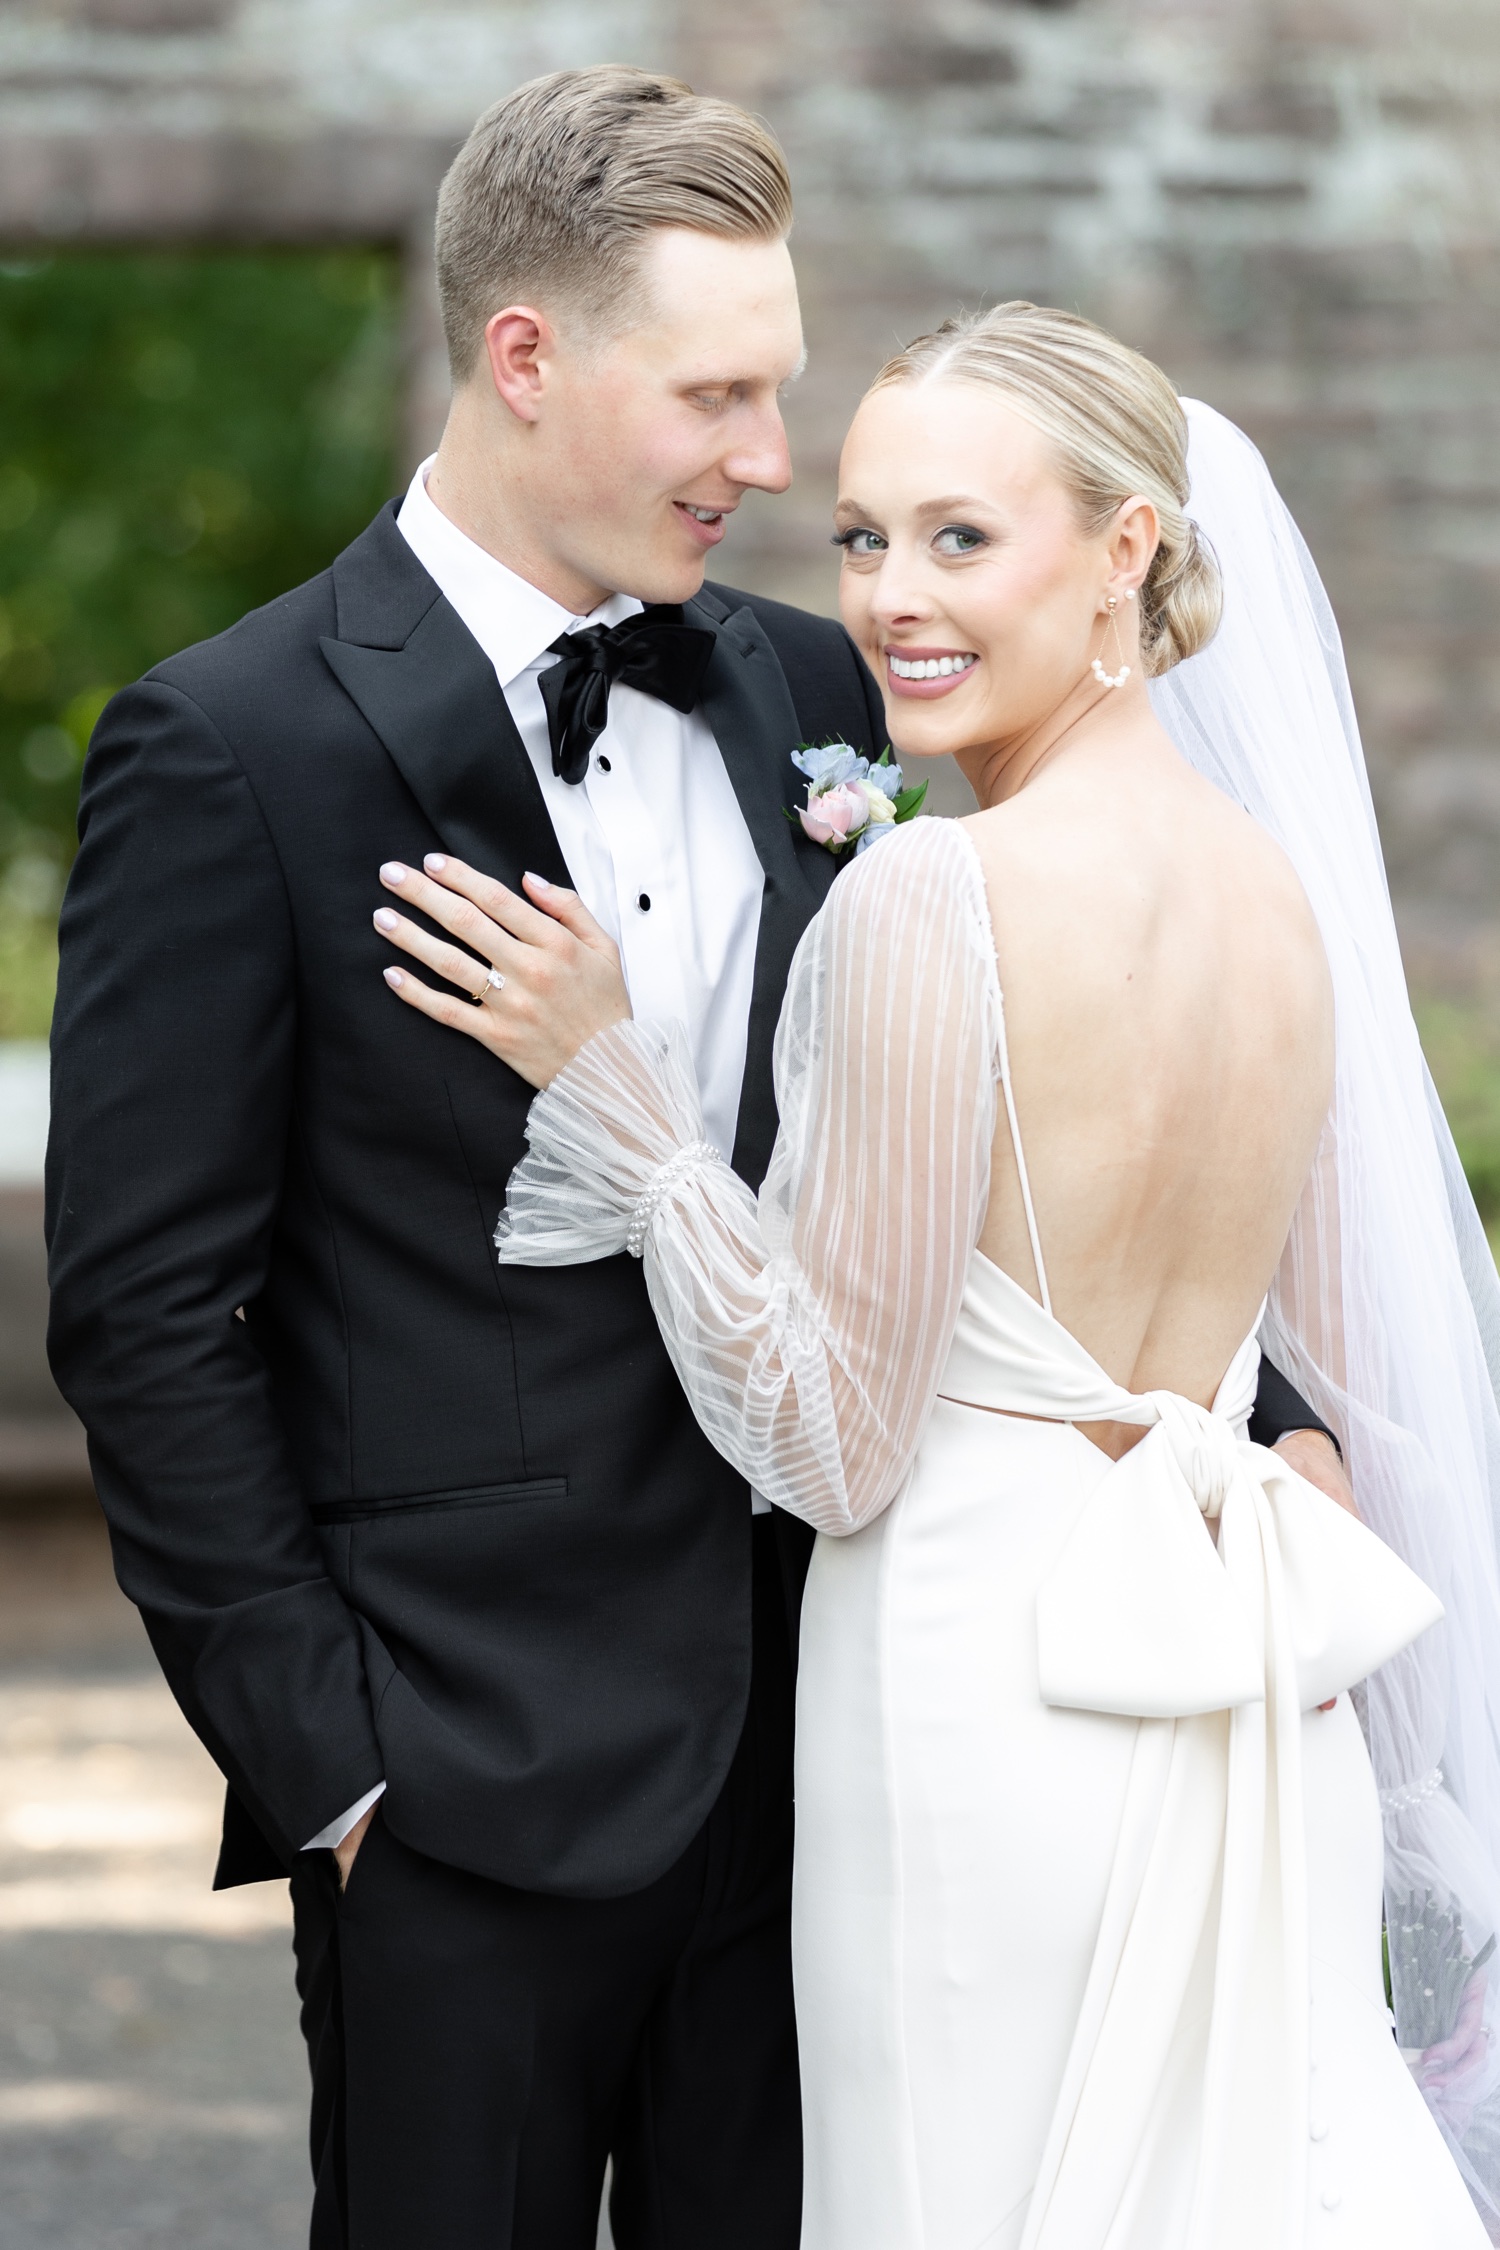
x=909, y=801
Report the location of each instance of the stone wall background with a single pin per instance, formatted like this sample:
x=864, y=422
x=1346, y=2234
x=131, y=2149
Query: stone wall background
x=1293, y=204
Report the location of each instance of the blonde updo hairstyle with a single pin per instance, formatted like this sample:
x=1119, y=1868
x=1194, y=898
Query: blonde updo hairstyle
x=1117, y=429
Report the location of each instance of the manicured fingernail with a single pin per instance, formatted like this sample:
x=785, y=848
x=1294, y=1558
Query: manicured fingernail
x=393, y=872
x=436, y=862
x=393, y=976
x=540, y=881
x=386, y=920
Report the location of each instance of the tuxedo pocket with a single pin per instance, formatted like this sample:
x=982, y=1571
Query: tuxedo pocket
x=439, y=1579
x=464, y=1496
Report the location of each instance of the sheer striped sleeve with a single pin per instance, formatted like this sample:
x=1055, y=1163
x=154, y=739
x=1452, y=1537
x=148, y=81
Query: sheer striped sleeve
x=809, y=1326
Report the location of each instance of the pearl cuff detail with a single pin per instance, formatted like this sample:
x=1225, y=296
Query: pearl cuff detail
x=679, y=1167
x=1412, y=1792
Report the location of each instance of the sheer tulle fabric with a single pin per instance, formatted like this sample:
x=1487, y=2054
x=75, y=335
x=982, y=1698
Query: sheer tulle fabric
x=1386, y=1311
x=808, y=1326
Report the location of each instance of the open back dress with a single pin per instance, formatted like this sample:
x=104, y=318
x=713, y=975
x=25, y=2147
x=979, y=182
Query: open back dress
x=1087, y=1897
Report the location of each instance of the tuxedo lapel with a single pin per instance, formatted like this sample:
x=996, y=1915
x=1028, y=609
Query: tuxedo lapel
x=748, y=706
x=428, y=690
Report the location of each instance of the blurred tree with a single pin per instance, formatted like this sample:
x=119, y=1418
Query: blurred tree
x=183, y=435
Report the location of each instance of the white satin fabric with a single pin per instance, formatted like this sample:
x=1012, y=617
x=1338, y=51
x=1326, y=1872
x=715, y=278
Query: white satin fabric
x=1083, y=1889
x=1144, y=1615
x=1061, y=1897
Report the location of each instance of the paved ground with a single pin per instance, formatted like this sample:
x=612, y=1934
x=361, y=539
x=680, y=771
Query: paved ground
x=152, y=2082
x=152, y=2094
x=152, y=2085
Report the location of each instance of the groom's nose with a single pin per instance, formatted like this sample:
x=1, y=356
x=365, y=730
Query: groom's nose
x=761, y=460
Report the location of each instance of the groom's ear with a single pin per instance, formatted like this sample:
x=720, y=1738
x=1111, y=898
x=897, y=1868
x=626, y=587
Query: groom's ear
x=520, y=344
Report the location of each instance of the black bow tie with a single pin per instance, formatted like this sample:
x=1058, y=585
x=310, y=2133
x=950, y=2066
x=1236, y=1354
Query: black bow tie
x=653, y=651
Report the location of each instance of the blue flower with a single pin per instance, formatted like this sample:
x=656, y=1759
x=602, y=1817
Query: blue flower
x=829, y=764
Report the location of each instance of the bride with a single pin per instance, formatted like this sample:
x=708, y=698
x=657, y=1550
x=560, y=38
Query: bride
x=1078, y=1097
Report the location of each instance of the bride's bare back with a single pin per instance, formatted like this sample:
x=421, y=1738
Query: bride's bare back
x=1017, y=558
x=1170, y=1025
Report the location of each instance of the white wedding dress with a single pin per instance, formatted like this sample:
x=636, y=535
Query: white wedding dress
x=1052, y=1982
x=1087, y=1892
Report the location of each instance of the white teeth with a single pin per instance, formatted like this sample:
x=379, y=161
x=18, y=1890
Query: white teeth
x=704, y=515
x=929, y=667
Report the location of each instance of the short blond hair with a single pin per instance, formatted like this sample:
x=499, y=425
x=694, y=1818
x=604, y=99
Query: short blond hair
x=1117, y=428
x=552, y=194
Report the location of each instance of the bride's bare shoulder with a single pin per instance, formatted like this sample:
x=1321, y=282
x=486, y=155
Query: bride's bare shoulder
x=1109, y=851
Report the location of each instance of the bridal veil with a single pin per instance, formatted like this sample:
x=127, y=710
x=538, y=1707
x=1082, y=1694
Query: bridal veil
x=1386, y=1309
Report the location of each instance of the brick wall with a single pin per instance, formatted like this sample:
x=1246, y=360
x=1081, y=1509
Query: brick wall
x=1294, y=204
x=1297, y=210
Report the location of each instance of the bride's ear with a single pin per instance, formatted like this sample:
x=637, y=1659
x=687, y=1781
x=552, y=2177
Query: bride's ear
x=1133, y=540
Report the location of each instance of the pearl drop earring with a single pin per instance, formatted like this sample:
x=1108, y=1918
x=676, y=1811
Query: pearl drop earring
x=1112, y=679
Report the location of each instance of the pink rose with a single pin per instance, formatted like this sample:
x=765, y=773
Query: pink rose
x=837, y=815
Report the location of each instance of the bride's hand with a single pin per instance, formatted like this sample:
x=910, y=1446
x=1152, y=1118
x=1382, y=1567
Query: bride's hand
x=1453, y=2059
x=554, y=979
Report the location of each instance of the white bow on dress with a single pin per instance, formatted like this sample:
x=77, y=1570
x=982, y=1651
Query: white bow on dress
x=1218, y=1645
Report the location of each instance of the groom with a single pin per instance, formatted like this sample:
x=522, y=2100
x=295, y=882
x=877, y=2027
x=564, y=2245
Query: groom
x=433, y=1555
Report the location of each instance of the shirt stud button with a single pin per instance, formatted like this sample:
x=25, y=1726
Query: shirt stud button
x=603, y=763
x=1331, y=2199
x=644, y=902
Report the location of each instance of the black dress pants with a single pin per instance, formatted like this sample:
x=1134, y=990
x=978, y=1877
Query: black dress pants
x=478, y=2052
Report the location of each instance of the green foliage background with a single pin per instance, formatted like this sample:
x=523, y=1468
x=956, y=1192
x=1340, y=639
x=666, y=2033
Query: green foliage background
x=183, y=435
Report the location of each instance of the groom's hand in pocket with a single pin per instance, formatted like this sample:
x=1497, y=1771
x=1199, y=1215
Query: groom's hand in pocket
x=346, y=1852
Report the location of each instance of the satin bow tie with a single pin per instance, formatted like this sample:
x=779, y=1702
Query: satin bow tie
x=653, y=651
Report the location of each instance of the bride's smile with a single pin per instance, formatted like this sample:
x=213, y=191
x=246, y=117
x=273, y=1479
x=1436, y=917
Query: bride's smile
x=927, y=672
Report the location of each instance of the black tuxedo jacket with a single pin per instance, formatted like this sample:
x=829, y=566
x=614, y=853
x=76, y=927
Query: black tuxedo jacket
x=387, y=1508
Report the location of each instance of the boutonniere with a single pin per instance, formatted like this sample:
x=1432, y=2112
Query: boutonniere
x=849, y=799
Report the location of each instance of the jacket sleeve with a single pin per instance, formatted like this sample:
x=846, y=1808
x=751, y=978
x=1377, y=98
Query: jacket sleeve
x=172, y=1074
x=1280, y=1408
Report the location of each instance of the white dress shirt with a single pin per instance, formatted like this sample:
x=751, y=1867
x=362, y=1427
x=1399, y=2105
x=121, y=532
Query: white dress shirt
x=653, y=837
